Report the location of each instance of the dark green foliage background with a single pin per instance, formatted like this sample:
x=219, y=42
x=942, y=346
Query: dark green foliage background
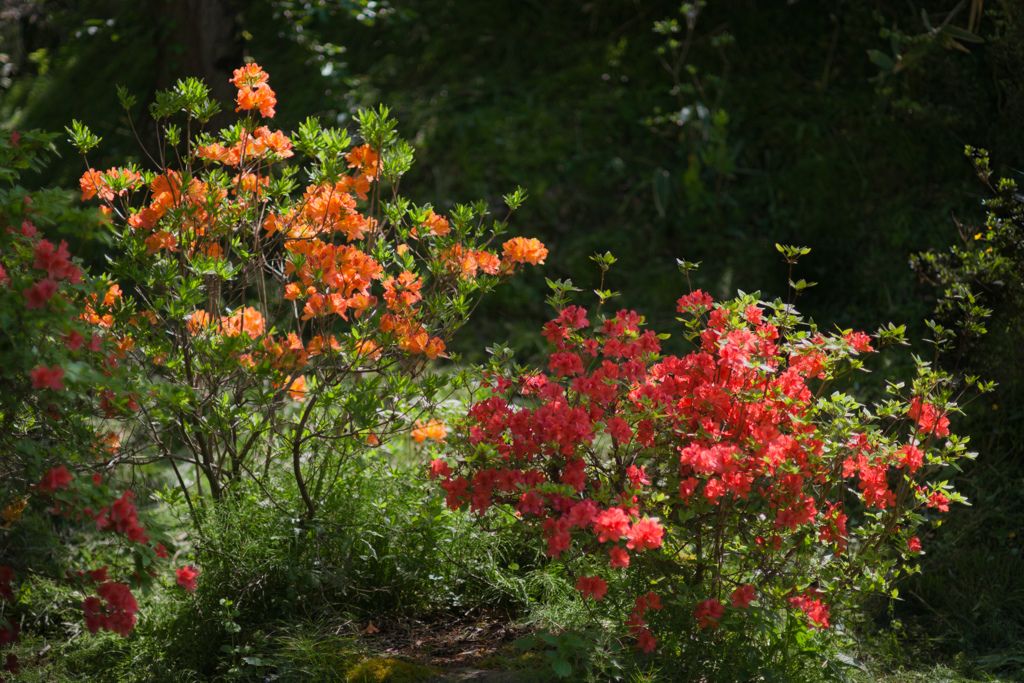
x=821, y=148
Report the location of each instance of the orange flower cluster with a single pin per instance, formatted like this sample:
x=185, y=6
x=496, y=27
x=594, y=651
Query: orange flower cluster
x=321, y=344
x=250, y=183
x=364, y=159
x=247, y=320
x=403, y=293
x=244, y=320
x=286, y=355
x=435, y=225
x=412, y=336
x=95, y=183
x=107, y=445
x=326, y=278
x=296, y=388
x=431, y=430
x=367, y=349
x=325, y=209
x=336, y=278
x=168, y=194
x=254, y=146
x=253, y=91
x=467, y=262
x=523, y=250
x=90, y=315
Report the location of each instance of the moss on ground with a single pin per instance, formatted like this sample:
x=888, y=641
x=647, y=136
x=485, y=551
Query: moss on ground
x=387, y=670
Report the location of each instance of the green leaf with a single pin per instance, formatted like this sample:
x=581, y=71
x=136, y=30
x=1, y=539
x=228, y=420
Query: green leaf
x=662, y=190
x=527, y=643
x=561, y=668
x=962, y=34
x=881, y=59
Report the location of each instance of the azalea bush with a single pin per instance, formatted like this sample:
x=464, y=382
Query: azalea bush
x=740, y=478
x=61, y=391
x=279, y=296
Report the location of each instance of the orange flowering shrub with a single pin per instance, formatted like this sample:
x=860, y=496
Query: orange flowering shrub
x=284, y=322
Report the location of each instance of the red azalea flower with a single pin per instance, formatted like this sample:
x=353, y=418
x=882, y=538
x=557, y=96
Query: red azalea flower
x=742, y=596
x=57, y=478
x=47, y=378
x=187, y=577
x=591, y=585
x=708, y=613
x=38, y=294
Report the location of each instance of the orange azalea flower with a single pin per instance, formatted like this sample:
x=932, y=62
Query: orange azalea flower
x=434, y=348
x=432, y=430
x=218, y=152
x=355, y=226
x=458, y=259
x=367, y=349
x=372, y=439
x=112, y=295
x=314, y=307
x=148, y=316
x=360, y=185
x=110, y=443
x=297, y=390
x=277, y=142
x=365, y=159
x=92, y=183
x=199, y=322
x=146, y=218
x=320, y=344
x=523, y=250
x=249, y=182
x=404, y=292
x=247, y=320
x=488, y=262
x=288, y=355
x=261, y=97
x=414, y=343
x=326, y=205
x=161, y=240
x=438, y=225
x=359, y=302
x=133, y=179
x=253, y=91
x=434, y=224
x=249, y=76
x=211, y=250
x=270, y=224
x=167, y=190
x=90, y=316
x=123, y=346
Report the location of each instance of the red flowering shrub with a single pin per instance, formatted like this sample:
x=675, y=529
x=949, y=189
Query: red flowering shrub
x=738, y=468
x=59, y=384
